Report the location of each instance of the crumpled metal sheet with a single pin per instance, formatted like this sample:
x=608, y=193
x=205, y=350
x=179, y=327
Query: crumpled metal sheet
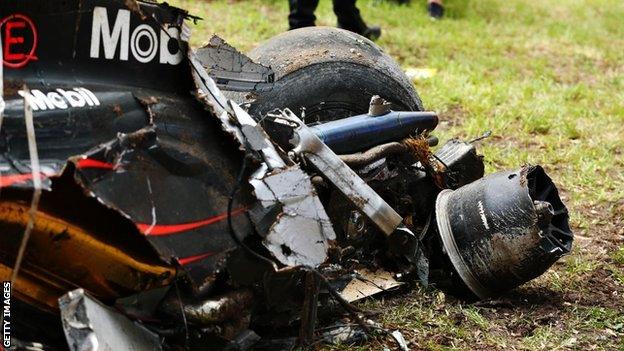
x=368, y=283
x=302, y=232
x=89, y=325
x=256, y=138
x=231, y=69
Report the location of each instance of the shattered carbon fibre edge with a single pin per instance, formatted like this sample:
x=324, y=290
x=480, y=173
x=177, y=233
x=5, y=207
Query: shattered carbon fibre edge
x=89, y=325
x=300, y=235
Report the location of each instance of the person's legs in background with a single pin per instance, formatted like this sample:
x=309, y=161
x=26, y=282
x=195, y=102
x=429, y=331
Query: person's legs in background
x=302, y=13
x=349, y=18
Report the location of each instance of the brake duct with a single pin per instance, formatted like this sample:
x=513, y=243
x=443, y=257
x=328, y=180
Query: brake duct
x=503, y=230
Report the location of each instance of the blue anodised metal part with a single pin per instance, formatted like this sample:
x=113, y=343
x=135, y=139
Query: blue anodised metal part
x=364, y=131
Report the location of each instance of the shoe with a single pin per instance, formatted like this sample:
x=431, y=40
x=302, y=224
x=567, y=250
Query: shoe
x=349, y=18
x=435, y=10
x=372, y=33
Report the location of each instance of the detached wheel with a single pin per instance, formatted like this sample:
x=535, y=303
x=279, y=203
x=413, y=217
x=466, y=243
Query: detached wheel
x=331, y=73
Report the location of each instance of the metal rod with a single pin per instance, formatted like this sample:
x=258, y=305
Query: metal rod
x=36, y=179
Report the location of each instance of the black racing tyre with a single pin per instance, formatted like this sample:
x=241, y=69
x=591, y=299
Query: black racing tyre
x=331, y=73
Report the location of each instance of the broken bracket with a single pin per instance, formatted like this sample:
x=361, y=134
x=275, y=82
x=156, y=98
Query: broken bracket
x=307, y=145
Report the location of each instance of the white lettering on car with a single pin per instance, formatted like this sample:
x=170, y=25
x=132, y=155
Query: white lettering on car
x=59, y=99
x=120, y=37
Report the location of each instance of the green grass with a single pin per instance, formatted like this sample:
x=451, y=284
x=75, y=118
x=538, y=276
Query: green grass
x=547, y=77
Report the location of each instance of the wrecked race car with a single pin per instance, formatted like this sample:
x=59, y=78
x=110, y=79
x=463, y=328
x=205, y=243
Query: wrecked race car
x=155, y=197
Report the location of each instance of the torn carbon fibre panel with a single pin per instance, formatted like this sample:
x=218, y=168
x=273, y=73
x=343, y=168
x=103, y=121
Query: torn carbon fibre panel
x=89, y=325
x=158, y=183
x=62, y=133
x=80, y=91
x=232, y=70
x=143, y=151
x=76, y=241
x=302, y=233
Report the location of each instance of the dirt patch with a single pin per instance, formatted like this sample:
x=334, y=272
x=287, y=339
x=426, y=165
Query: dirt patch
x=607, y=226
x=599, y=288
x=453, y=115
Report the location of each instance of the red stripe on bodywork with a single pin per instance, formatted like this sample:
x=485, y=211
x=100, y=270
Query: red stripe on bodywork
x=187, y=260
x=11, y=179
x=90, y=163
x=168, y=229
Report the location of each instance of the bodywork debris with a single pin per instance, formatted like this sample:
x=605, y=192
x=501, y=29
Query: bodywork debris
x=301, y=212
x=367, y=283
x=89, y=325
x=232, y=70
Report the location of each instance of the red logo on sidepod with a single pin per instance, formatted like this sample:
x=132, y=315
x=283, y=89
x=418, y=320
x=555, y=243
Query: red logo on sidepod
x=19, y=40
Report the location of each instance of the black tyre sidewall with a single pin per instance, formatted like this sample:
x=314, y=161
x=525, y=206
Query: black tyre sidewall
x=332, y=90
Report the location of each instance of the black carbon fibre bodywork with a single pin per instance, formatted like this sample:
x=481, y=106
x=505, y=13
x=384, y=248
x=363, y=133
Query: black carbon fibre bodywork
x=134, y=134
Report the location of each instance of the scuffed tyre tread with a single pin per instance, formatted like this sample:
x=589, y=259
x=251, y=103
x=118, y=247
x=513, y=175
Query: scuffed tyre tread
x=330, y=72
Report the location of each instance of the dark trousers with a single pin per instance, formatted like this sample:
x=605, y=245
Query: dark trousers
x=302, y=14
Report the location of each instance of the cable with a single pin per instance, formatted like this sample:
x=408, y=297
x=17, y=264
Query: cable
x=239, y=181
x=186, y=333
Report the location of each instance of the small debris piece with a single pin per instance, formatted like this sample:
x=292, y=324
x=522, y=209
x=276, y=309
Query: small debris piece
x=215, y=310
x=89, y=325
x=244, y=341
x=369, y=283
x=400, y=340
x=341, y=333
